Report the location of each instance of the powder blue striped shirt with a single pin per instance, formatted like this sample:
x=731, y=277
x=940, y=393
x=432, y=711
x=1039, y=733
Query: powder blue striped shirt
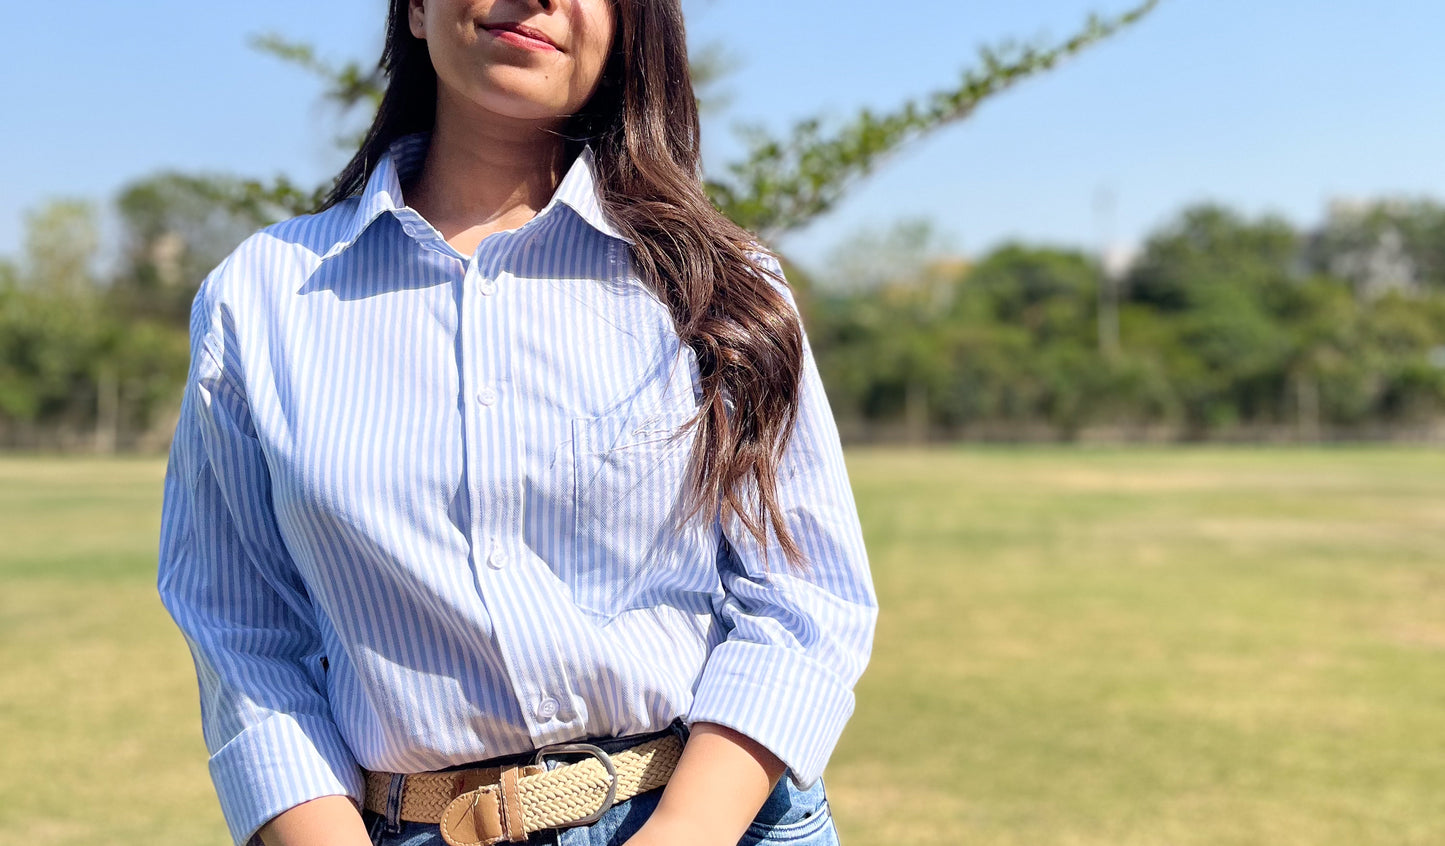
x=416, y=512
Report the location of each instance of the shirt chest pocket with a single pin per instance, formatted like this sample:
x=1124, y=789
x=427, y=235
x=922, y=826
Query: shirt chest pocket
x=629, y=546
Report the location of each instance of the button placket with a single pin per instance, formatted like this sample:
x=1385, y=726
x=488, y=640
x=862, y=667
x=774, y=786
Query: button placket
x=501, y=567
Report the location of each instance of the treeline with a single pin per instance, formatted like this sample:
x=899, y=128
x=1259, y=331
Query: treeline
x=1222, y=327
x=94, y=357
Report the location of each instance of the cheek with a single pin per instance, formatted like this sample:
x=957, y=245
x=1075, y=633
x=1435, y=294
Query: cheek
x=593, y=23
x=451, y=43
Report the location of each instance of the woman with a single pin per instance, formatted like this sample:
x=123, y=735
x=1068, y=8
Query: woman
x=516, y=442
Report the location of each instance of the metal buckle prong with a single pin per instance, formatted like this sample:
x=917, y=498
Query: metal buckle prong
x=603, y=758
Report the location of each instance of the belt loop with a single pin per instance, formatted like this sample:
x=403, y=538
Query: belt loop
x=373, y=830
x=679, y=728
x=393, y=803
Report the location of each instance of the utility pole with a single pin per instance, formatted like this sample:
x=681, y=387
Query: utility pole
x=1108, y=273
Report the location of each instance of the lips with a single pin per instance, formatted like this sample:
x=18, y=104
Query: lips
x=525, y=32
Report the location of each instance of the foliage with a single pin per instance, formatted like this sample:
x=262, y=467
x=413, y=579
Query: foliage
x=175, y=227
x=1381, y=246
x=784, y=183
x=62, y=239
x=1227, y=328
x=80, y=359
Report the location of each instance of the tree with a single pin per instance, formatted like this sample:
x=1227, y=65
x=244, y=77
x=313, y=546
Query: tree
x=175, y=228
x=784, y=183
x=62, y=240
x=1388, y=245
x=1206, y=246
x=878, y=323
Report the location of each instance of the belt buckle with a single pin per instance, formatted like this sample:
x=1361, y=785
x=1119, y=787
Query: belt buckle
x=602, y=758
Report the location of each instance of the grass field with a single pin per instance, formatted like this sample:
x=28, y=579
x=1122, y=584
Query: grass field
x=1149, y=646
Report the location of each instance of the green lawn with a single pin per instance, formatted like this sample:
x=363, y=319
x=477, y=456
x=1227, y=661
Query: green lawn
x=1077, y=646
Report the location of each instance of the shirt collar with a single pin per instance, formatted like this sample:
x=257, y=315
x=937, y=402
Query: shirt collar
x=404, y=157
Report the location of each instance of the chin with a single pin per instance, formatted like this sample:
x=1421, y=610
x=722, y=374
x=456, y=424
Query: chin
x=520, y=108
x=520, y=102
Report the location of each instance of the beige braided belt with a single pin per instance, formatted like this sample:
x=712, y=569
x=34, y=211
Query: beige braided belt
x=481, y=806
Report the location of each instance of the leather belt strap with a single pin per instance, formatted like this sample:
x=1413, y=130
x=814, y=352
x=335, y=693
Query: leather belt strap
x=482, y=806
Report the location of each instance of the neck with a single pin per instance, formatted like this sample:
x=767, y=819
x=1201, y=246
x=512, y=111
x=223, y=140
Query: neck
x=484, y=172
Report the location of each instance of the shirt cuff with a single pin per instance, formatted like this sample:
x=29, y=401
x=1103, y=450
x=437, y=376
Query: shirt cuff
x=778, y=697
x=276, y=765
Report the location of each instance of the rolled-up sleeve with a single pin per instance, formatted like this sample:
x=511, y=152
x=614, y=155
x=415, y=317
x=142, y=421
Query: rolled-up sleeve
x=797, y=641
x=227, y=580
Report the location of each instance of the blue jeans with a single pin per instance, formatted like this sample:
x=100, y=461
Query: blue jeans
x=792, y=816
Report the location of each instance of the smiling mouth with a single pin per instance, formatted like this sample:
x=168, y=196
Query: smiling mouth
x=524, y=37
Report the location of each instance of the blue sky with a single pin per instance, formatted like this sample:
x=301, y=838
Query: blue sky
x=1267, y=106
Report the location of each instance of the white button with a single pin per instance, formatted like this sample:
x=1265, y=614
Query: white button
x=547, y=708
x=498, y=559
x=487, y=395
x=487, y=287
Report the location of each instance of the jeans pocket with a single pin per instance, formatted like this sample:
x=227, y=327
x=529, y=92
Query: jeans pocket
x=629, y=478
x=794, y=816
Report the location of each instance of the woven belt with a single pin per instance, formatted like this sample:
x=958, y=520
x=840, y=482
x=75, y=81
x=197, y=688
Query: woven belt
x=480, y=806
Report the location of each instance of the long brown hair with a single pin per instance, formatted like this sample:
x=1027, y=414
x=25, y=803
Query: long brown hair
x=642, y=123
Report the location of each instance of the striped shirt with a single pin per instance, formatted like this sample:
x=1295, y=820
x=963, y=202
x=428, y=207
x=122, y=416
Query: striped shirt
x=419, y=511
